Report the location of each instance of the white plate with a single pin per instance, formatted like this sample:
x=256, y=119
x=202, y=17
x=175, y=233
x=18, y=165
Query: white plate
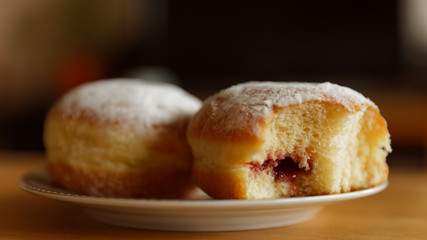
x=199, y=214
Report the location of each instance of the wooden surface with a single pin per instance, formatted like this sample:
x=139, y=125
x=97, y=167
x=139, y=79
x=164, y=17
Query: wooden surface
x=400, y=212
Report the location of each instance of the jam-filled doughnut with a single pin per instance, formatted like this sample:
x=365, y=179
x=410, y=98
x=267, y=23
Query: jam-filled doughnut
x=262, y=140
x=121, y=138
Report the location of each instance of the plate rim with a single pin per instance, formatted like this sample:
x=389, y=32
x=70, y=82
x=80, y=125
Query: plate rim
x=183, y=204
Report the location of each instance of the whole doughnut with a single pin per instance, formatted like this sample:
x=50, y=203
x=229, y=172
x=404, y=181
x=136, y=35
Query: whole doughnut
x=121, y=138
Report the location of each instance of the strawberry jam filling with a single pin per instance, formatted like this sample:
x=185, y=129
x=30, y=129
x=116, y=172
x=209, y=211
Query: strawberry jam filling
x=285, y=169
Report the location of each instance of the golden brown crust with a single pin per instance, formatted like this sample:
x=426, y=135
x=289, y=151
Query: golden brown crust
x=109, y=160
x=146, y=183
x=105, y=148
x=206, y=124
x=219, y=184
x=380, y=122
x=378, y=127
x=170, y=138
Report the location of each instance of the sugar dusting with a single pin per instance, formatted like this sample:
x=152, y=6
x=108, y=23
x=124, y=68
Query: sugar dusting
x=139, y=103
x=253, y=102
x=281, y=94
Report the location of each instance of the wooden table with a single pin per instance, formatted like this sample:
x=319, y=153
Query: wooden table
x=400, y=212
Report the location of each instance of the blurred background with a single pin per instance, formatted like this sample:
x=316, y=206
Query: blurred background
x=376, y=47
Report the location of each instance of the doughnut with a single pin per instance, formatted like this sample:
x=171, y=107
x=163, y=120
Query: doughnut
x=268, y=140
x=121, y=138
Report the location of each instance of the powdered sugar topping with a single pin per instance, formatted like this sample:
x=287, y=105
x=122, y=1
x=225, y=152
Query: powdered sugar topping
x=247, y=104
x=282, y=94
x=130, y=101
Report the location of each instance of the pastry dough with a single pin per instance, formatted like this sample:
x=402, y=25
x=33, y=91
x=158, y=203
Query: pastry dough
x=121, y=138
x=263, y=140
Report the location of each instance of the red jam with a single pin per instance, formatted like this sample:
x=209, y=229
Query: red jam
x=284, y=170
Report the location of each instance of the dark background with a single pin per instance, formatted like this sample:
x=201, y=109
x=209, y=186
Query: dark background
x=213, y=44
x=218, y=44
x=205, y=46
